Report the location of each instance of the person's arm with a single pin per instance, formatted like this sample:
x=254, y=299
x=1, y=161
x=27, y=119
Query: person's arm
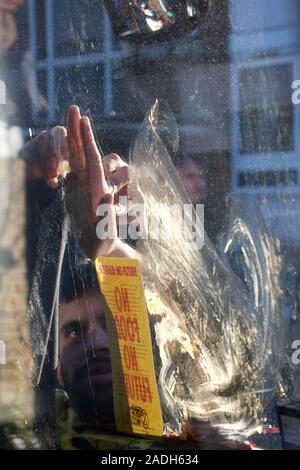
x=39, y=197
x=41, y=187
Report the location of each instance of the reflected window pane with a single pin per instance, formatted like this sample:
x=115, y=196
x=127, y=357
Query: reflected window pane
x=78, y=27
x=40, y=29
x=82, y=85
x=125, y=101
x=266, y=111
x=41, y=97
x=268, y=178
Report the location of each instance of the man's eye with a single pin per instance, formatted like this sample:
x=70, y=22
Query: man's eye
x=74, y=331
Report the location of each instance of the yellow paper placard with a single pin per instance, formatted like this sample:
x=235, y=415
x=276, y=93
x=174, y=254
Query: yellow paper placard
x=136, y=401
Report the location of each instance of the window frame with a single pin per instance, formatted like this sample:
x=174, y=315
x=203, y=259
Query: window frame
x=268, y=161
x=51, y=63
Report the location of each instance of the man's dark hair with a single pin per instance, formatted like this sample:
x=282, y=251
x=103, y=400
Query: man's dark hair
x=78, y=274
x=180, y=158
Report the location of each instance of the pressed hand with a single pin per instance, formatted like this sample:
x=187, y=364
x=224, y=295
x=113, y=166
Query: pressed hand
x=91, y=183
x=43, y=154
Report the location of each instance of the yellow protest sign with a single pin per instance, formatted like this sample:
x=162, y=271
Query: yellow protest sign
x=136, y=401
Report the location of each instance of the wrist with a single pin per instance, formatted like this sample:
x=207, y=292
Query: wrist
x=119, y=249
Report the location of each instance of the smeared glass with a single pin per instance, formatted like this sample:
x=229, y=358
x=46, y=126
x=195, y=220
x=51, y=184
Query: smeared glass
x=218, y=333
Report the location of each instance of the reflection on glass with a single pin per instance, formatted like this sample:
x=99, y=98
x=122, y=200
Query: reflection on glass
x=141, y=16
x=41, y=29
x=82, y=85
x=266, y=118
x=78, y=27
x=219, y=341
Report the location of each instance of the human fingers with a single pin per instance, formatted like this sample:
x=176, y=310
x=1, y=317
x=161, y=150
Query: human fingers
x=116, y=171
x=112, y=162
x=43, y=153
x=95, y=172
x=58, y=152
x=77, y=156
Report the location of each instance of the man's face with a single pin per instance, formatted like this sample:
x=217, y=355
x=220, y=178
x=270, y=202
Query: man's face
x=192, y=176
x=84, y=359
